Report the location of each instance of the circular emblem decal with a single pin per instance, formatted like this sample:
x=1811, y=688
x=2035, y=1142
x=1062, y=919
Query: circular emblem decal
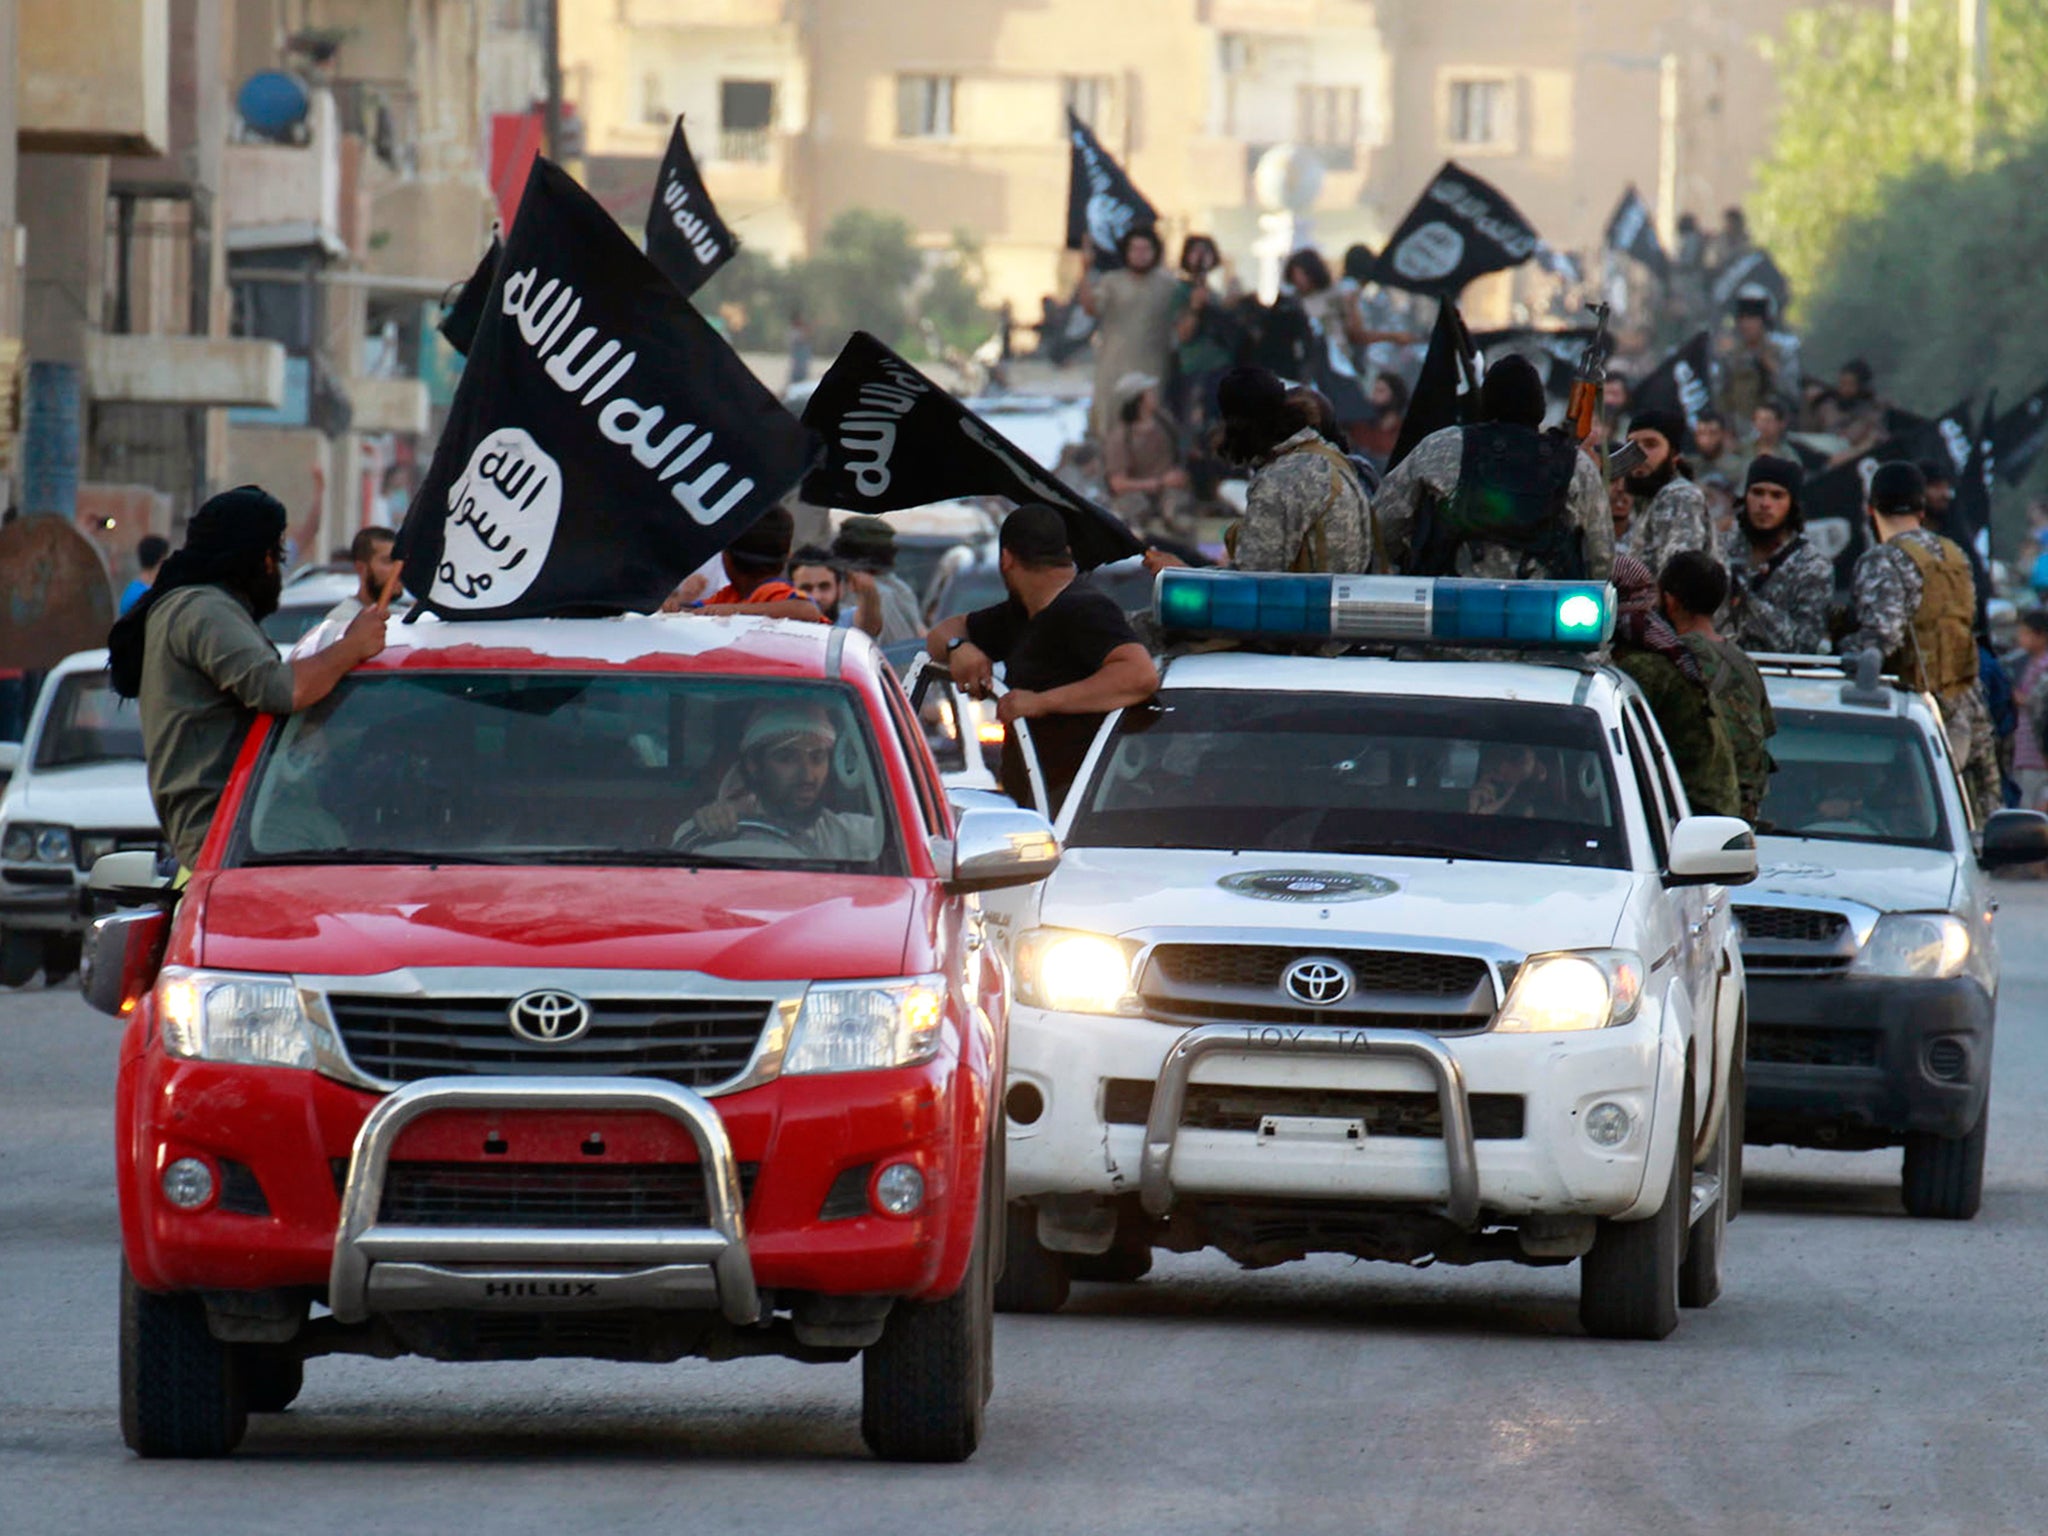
x=1318, y=981
x=1433, y=251
x=549, y=1018
x=1307, y=885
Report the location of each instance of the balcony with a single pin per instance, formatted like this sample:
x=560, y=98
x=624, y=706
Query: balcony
x=94, y=76
x=748, y=165
x=185, y=370
x=288, y=196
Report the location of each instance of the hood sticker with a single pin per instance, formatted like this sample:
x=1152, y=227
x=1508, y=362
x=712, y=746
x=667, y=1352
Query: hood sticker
x=1307, y=885
x=1795, y=872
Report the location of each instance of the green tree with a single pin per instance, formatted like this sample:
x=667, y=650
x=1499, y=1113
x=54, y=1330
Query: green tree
x=859, y=279
x=949, y=307
x=1855, y=118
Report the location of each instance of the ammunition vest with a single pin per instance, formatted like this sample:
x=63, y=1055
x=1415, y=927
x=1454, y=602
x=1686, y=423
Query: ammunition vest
x=1940, y=653
x=1514, y=493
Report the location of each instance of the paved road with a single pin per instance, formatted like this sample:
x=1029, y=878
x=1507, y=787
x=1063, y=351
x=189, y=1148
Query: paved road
x=1863, y=1373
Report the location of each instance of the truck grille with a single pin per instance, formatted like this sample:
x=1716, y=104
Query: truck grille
x=1190, y=984
x=549, y=1194
x=693, y=1042
x=1795, y=941
x=1787, y=1046
x=1795, y=925
x=1385, y=1111
x=1261, y=965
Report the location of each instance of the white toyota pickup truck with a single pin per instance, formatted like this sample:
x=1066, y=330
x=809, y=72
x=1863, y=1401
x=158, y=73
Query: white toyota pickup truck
x=1398, y=958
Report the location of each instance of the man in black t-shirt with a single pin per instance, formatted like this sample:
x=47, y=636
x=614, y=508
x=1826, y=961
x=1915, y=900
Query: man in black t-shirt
x=1070, y=655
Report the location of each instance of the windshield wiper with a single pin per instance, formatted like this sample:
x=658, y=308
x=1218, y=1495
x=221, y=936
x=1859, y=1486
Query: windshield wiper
x=1411, y=848
x=680, y=858
x=371, y=856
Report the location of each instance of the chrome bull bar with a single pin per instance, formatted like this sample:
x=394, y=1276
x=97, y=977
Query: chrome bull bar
x=383, y=1266
x=1169, y=1097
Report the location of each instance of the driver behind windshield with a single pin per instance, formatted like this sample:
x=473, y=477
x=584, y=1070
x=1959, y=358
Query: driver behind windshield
x=773, y=798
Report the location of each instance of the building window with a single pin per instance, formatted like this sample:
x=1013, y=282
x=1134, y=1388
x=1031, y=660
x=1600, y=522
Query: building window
x=1087, y=97
x=1482, y=114
x=746, y=117
x=1326, y=118
x=924, y=106
x=654, y=101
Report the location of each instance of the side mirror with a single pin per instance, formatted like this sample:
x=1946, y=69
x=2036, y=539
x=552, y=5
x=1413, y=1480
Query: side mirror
x=994, y=850
x=123, y=954
x=1711, y=850
x=131, y=874
x=963, y=800
x=2014, y=837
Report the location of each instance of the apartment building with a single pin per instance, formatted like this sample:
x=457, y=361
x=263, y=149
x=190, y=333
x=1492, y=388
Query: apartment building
x=950, y=112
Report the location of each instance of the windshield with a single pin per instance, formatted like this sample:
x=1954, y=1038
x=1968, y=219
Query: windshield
x=287, y=625
x=564, y=768
x=1853, y=779
x=1355, y=773
x=88, y=723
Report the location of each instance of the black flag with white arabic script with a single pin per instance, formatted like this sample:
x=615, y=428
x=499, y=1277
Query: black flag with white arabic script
x=1102, y=204
x=1682, y=384
x=1447, y=389
x=1750, y=273
x=894, y=439
x=2018, y=436
x=459, y=319
x=604, y=441
x=1632, y=232
x=1459, y=229
x=686, y=238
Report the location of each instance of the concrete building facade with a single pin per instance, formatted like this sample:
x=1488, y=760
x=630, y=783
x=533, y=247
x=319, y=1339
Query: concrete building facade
x=951, y=112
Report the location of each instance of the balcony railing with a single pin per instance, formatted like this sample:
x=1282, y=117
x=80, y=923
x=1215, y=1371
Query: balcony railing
x=752, y=146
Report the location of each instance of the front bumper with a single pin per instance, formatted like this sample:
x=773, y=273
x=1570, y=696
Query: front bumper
x=299, y=1159
x=42, y=908
x=1851, y=1061
x=1098, y=1082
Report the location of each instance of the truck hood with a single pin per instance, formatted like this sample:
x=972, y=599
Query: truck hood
x=744, y=925
x=1879, y=875
x=1525, y=907
x=114, y=796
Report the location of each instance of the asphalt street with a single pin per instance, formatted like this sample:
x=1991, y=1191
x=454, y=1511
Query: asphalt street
x=1863, y=1373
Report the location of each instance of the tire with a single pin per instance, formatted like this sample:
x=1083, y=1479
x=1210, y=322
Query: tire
x=272, y=1376
x=61, y=952
x=1944, y=1176
x=21, y=956
x=1628, y=1282
x=1127, y=1260
x=1699, y=1277
x=925, y=1383
x=181, y=1391
x=1034, y=1278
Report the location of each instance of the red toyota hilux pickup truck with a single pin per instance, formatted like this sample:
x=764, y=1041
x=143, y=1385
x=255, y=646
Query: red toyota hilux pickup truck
x=608, y=988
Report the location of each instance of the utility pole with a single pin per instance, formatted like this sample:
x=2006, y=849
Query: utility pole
x=1902, y=34
x=551, y=111
x=1972, y=28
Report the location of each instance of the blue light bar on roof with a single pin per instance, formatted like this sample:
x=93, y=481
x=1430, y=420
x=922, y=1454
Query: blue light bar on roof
x=1449, y=610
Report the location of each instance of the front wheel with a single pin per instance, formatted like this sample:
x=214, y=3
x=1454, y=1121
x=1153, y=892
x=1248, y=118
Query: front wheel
x=925, y=1382
x=21, y=956
x=61, y=953
x=1628, y=1281
x=181, y=1391
x=1699, y=1279
x=1944, y=1175
x=1034, y=1278
x=272, y=1376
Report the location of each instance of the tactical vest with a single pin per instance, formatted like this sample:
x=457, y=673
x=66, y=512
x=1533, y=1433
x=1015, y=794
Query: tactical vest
x=1514, y=493
x=1940, y=653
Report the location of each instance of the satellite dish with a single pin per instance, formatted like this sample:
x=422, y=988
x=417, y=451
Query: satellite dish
x=273, y=104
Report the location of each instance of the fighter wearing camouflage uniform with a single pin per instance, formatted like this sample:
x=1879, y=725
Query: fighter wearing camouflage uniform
x=1305, y=511
x=1915, y=604
x=1500, y=499
x=1779, y=585
x=1670, y=511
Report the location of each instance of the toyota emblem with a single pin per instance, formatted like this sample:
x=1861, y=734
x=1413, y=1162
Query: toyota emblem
x=1318, y=981
x=548, y=1017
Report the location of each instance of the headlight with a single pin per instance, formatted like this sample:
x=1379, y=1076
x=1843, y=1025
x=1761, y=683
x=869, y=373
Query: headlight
x=855, y=1026
x=1583, y=989
x=1927, y=945
x=1075, y=972
x=53, y=845
x=18, y=844
x=224, y=1016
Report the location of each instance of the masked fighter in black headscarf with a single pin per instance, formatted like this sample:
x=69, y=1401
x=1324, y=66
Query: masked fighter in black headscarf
x=192, y=652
